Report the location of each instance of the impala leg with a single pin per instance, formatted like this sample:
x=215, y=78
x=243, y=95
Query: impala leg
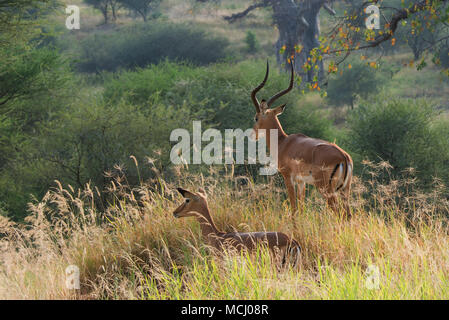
x=291, y=193
x=300, y=195
x=332, y=202
x=330, y=196
x=345, y=198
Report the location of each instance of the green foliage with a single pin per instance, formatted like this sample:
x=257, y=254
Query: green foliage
x=307, y=119
x=143, y=44
x=102, y=5
x=33, y=82
x=219, y=94
x=251, y=42
x=90, y=139
x=17, y=16
x=440, y=133
x=402, y=133
x=141, y=7
x=356, y=79
x=27, y=72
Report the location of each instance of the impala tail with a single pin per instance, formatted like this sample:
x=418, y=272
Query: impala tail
x=342, y=172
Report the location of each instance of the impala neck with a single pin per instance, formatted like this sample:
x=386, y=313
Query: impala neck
x=280, y=132
x=206, y=222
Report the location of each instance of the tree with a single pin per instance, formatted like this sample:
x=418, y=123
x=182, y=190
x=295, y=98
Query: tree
x=103, y=6
x=115, y=5
x=412, y=17
x=357, y=79
x=299, y=35
x=422, y=34
x=17, y=16
x=141, y=7
x=25, y=73
x=299, y=32
x=32, y=81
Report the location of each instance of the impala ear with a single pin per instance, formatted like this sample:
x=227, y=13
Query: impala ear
x=279, y=110
x=184, y=193
x=202, y=192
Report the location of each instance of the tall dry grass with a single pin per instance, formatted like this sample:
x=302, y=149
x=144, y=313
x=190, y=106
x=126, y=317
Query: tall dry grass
x=127, y=244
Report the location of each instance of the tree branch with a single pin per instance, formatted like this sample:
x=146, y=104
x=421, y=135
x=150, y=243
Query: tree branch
x=329, y=9
x=400, y=15
x=232, y=18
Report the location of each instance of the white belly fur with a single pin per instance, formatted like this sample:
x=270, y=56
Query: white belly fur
x=305, y=179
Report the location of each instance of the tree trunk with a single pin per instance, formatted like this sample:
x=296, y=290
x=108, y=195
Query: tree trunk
x=299, y=31
x=105, y=15
x=113, y=8
x=143, y=13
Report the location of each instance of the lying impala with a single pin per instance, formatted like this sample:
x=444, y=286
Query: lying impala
x=302, y=159
x=195, y=205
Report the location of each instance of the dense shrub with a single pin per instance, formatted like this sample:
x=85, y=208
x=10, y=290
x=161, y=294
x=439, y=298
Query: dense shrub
x=356, y=79
x=33, y=85
x=143, y=44
x=91, y=139
x=219, y=94
x=403, y=133
x=252, y=44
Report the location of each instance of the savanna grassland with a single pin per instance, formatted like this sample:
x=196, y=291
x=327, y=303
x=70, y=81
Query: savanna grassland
x=86, y=179
x=134, y=248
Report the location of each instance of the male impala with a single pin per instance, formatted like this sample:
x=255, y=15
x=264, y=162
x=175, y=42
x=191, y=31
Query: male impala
x=302, y=159
x=195, y=205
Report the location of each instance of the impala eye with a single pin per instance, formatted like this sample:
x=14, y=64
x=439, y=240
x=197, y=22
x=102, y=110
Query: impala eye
x=187, y=200
x=256, y=118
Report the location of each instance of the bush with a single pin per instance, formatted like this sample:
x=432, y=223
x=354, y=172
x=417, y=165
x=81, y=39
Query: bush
x=356, y=79
x=89, y=140
x=251, y=42
x=403, y=133
x=144, y=44
x=218, y=94
x=440, y=130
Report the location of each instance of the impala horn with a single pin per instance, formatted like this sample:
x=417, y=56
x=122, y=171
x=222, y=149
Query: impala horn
x=280, y=94
x=260, y=86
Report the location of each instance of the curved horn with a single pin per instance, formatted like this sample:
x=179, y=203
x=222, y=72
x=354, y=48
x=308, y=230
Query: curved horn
x=280, y=94
x=260, y=86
